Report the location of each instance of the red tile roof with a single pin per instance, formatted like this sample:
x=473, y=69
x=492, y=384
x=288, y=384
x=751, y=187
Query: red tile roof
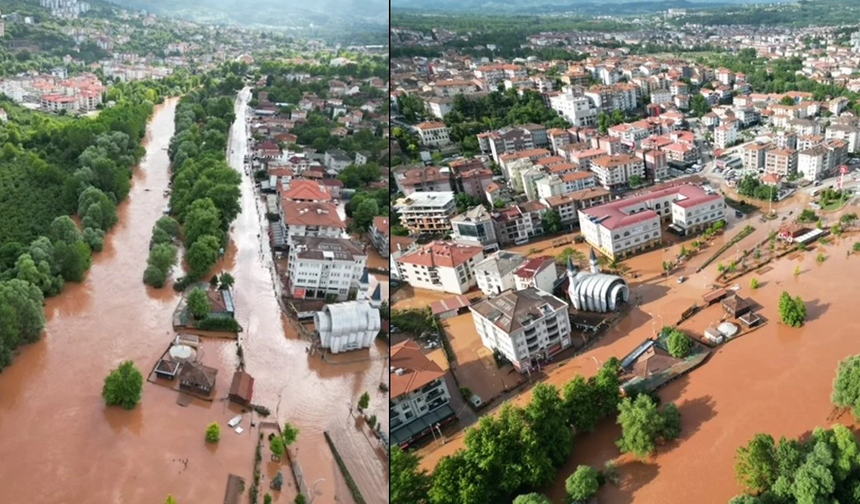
x=303, y=213
x=416, y=369
x=305, y=190
x=441, y=254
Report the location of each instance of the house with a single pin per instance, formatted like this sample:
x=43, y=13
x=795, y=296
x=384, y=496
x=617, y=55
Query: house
x=321, y=267
x=302, y=190
x=736, y=306
x=538, y=273
x=197, y=378
x=267, y=150
x=419, y=395
x=337, y=160
x=792, y=231
x=380, y=235
x=414, y=179
x=450, y=307
x=495, y=274
x=433, y=134
x=616, y=171
x=526, y=326
x=346, y=326
x=221, y=303
x=167, y=369
x=310, y=219
x=441, y=266
x=241, y=388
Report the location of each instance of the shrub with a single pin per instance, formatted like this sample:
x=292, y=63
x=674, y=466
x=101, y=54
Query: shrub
x=754, y=283
x=582, y=484
x=679, y=344
x=123, y=386
x=198, y=303
x=301, y=499
x=364, y=401
x=792, y=311
x=213, y=433
x=223, y=324
x=154, y=277
x=466, y=393
x=262, y=410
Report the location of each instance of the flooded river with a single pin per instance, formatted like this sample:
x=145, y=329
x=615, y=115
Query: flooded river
x=776, y=379
x=59, y=442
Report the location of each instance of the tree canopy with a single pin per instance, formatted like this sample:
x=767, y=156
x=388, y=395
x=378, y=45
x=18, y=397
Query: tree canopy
x=792, y=311
x=123, y=386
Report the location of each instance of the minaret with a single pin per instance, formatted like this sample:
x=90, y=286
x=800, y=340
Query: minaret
x=572, y=275
x=595, y=265
x=363, y=283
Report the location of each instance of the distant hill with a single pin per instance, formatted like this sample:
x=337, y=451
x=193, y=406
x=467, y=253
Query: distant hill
x=271, y=13
x=587, y=7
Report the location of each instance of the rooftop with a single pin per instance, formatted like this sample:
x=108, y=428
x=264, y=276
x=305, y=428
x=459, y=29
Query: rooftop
x=411, y=369
x=305, y=213
x=512, y=310
x=615, y=214
x=320, y=248
x=441, y=254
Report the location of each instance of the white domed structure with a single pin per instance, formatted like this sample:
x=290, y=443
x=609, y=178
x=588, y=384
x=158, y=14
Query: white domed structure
x=595, y=291
x=348, y=326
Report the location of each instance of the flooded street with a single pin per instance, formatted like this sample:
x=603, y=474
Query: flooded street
x=776, y=379
x=60, y=444
x=312, y=394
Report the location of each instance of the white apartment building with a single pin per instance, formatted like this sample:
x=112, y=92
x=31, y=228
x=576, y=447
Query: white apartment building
x=614, y=171
x=810, y=162
x=321, y=267
x=526, y=326
x=494, y=75
x=495, y=274
x=725, y=136
x=419, y=396
x=630, y=225
x=659, y=96
x=847, y=133
x=433, y=134
x=346, y=326
x=300, y=219
x=453, y=87
x=441, y=266
x=427, y=212
x=577, y=110
x=400, y=246
x=754, y=156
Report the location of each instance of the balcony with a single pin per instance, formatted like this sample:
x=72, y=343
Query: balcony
x=434, y=394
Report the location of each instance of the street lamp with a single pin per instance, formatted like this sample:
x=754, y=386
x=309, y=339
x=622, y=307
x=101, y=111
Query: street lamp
x=314, y=489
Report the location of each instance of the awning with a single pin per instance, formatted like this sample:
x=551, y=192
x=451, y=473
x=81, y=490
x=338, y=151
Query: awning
x=414, y=429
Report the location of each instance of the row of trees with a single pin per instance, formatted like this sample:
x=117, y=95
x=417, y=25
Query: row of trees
x=162, y=252
x=55, y=167
x=205, y=197
x=521, y=448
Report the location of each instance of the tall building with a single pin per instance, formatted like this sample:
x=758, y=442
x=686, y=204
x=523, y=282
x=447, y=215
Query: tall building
x=420, y=400
x=526, y=326
x=427, y=212
x=441, y=266
x=325, y=267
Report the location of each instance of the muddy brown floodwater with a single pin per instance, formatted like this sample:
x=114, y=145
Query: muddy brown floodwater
x=776, y=379
x=60, y=443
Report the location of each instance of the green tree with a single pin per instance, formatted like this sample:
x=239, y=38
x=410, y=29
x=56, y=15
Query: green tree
x=756, y=467
x=635, y=181
x=201, y=220
x=670, y=418
x=364, y=401
x=549, y=420
x=169, y=225
x=409, y=484
x=73, y=259
x=123, y=386
x=846, y=386
x=603, y=123
x=154, y=277
x=532, y=498
x=170, y=500
x=227, y=281
x=679, y=344
x=64, y=229
x=198, y=303
x=365, y=212
x=213, y=433
x=643, y=426
x=754, y=283
x=300, y=499
x=792, y=311
x=202, y=255
x=582, y=484
x=163, y=257
x=551, y=221
x=787, y=100
x=267, y=499
x=277, y=446
x=290, y=433
x=580, y=401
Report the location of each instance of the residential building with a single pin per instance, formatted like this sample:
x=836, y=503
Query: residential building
x=305, y=191
x=433, y=134
x=568, y=205
x=325, y=267
x=848, y=133
x=427, y=212
x=400, y=246
x=810, y=162
x=495, y=273
x=526, y=326
x=441, y=266
x=300, y=219
x=337, y=160
x=536, y=273
x=782, y=162
x=615, y=171
x=681, y=154
x=657, y=163
x=493, y=75
x=420, y=400
x=577, y=110
x=380, y=235
x=346, y=326
x=754, y=156
x=505, y=141
x=558, y=139
x=631, y=225
x=725, y=136
x=475, y=227
x=412, y=179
